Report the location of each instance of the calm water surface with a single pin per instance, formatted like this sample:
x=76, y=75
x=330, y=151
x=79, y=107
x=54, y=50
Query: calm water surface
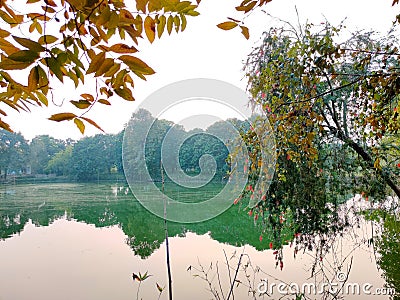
x=83, y=241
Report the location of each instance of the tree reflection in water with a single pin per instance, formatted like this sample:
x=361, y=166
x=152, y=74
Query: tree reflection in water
x=328, y=250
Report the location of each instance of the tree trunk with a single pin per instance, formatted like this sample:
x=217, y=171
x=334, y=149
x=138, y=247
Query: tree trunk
x=360, y=151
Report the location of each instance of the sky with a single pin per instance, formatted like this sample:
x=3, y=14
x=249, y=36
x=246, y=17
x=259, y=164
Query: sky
x=202, y=51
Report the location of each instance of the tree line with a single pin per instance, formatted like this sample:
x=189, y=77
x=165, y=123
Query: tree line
x=100, y=156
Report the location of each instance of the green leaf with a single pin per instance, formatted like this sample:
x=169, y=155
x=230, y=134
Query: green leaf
x=73, y=57
x=24, y=56
x=27, y=43
x=62, y=117
x=80, y=125
x=228, y=25
x=55, y=66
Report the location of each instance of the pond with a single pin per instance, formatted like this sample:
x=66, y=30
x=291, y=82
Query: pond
x=84, y=241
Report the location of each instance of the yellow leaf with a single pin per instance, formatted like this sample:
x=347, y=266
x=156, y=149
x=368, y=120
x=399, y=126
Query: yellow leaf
x=5, y=126
x=80, y=125
x=51, y=3
x=7, y=18
x=155, y=5
x=170, y=23
x=8, y=64
x=27, y=43
x=183, y=22
x=33, y=79
x=90, y=121
x=141, y=5
x=377, y=164
x=245, y=32
x=47, y=39
x=124, y=93
x=24, y=56
x=42, y=98
x=135, y=64
x=32, y=27
x=48, y=9
x=7, y=47
x=177, y=22
x=62, y=117
x=162, y=20
x=43, y=80
x=246, y=8
x=4, y=33
x=38, y=27
x=105, y=67
x=96, y=62
x=104, y=16
x=112, y=70
x=150, y=28
x=122, y=48
x=228, y=25
x=87, y=97
x=104, y=101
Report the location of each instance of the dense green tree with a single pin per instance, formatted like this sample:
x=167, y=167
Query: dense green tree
x=94, y=157
x=42, y=149
x=14, y=153
x=61, y=163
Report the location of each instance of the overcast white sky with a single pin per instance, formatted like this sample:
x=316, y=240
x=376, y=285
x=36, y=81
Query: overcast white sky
x=203, y=50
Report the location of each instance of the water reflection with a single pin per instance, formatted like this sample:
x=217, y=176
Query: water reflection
x=104, y=205
x=87, y=250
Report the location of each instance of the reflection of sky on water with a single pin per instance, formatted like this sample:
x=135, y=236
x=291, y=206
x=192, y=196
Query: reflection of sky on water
x=73, y=260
